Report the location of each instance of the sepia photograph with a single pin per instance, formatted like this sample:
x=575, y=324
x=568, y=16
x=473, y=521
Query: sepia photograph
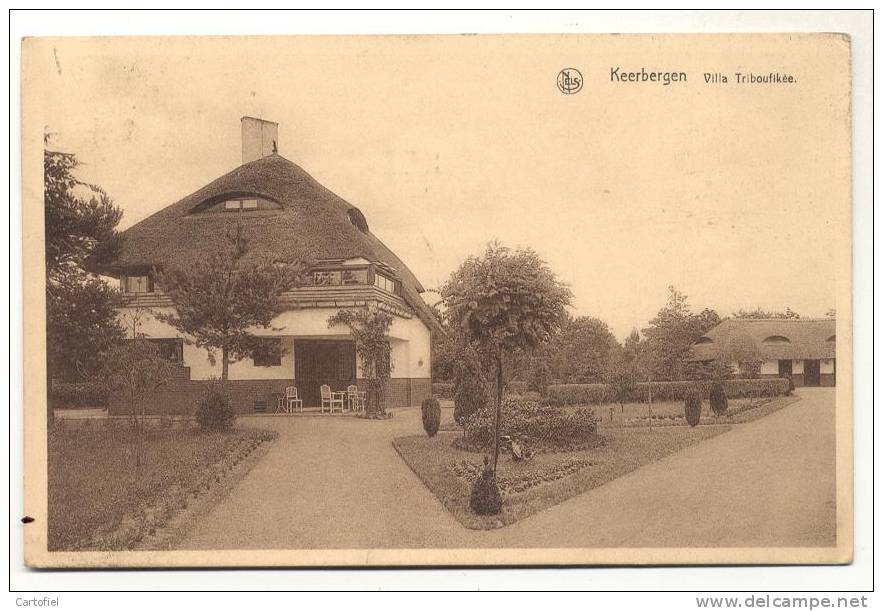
x=437, y=300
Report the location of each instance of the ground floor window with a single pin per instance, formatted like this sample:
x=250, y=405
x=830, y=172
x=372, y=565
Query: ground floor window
x=268, y=353
x=171, y=348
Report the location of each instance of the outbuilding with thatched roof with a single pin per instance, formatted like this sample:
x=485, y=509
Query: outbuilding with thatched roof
x=285, y=214
x=803, y=349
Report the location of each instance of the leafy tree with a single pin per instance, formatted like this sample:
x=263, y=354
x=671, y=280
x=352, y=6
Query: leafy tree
x=370, y=330
x=582, y=350
x=672, y=332
x=81, y=323
x=81, y=218
x=221, y=299
x=505, y=301
x=80, y=225
x=761, y=313
x=131, y=371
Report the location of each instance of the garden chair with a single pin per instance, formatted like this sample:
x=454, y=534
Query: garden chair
x=356, y=398
x=292, y=401
x=331, y=399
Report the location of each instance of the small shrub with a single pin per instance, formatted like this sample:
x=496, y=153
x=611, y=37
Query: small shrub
x=693, y=407
x=215, y=412
x=485, y=498
x=431, y=411
x=718, y=399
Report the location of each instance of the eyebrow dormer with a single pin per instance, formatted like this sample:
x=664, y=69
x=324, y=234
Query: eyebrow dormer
x=776, y=339
x=236, y=202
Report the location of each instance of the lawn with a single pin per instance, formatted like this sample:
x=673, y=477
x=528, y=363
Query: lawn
x=94, y=489
x=545, y=480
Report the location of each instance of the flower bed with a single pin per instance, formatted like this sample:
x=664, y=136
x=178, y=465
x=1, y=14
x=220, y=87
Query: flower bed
x=545, y=480
x=469, y=471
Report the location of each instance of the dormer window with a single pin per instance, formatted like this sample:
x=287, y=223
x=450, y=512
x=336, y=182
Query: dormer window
x=136, y=284
x=387, y=284
x=235, y=205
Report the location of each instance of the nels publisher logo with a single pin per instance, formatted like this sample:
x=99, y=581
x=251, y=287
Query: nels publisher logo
x=570, y=81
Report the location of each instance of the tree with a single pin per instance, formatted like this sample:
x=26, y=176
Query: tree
x=582, y=350
x=81, y=323
x=80, y=225
x=672, y=332
x=505, y=301
x=132, y=370
x=221, y=299
x=761, y=313
x=370, y=330
x=622, y=380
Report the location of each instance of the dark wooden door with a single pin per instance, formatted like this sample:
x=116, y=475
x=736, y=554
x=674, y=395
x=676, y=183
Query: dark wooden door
x=323, y=362
x=812, y=372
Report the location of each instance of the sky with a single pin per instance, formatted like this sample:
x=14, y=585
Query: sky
x=738, y=195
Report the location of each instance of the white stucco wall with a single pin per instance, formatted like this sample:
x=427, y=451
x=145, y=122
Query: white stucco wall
x=826, y=366
x=797, y=366
x=409, y=339
x=769, y=367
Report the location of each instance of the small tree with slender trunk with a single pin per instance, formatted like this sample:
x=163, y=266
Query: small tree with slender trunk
x=370, y=330
x=622, y=380
x=220, y=300
x=133, y=370
x=505, y=301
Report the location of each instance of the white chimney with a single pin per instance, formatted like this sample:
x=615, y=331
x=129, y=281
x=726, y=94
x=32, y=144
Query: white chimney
x=259, y=138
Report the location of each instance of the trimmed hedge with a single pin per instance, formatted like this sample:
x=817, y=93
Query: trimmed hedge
x=431, y=413
x=66, y=395
x=587, y=394
x=443, y=390
x=693, y=407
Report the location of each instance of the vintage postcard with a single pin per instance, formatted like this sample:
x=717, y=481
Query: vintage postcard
x=437, y=300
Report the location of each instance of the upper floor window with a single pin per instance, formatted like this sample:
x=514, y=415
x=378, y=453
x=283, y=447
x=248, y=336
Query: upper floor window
x=385, y=283
x=136, y=284
x=338, y=277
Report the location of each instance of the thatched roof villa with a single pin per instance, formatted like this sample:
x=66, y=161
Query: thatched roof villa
x=286, y=214
x=801, y=348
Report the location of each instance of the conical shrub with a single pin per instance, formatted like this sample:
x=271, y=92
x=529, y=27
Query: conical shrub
x=718, y=399
x=693, y=406
x=431, y=411
x=485, y=499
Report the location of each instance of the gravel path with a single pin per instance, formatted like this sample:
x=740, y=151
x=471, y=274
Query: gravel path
x=337, y=482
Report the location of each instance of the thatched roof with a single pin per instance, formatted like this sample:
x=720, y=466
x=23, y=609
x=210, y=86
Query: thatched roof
x=311, y=220
x=768, y=339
